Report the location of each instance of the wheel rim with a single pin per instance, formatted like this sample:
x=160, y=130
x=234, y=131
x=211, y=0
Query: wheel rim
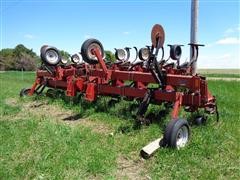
x=76, y=58
x=64, y=61
x=121, y=54
x=145, y=54
x=52, y=56
x=182, y=137
x=91, y=47
x=25, y=92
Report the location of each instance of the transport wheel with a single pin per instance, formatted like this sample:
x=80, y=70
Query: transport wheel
x=24, y=92
x=87, y=48
x=176, y=134
x=50, y=55
x=200, y=120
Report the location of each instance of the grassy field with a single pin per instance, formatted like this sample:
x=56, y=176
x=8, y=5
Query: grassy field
x=58, y=138
x=221, y=73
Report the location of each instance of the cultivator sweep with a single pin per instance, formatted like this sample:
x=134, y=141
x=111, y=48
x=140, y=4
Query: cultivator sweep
x=145, y=79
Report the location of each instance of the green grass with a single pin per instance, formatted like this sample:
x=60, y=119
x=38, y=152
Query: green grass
x=40, y=145
x=220, y=73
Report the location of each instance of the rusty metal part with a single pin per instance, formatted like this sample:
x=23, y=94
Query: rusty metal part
x=158, y=36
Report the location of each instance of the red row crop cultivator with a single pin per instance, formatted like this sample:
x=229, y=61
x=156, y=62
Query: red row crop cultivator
x=146, y=80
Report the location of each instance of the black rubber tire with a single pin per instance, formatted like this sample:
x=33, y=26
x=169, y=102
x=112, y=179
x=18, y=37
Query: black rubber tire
x=142, y=55
x=86, y=51
x=43, y=54
x=24, y=92
x=51, y=93
x=199, y=120
x=171, y=132
x=175, y=52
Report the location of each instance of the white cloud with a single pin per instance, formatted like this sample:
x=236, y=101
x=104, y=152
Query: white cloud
x=228, y=41
x=29, y=36
x=216, y=57
x=229, y=31
x=224, y=56
x=219, y=61
x=126, y=33
x=232, y=30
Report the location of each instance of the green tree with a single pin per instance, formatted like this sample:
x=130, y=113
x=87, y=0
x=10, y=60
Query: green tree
x=64, y=54
x=19, y=58
x=21, y=49
x=110, y=56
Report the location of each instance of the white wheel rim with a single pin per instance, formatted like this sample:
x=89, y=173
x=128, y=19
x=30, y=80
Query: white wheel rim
x=64, y=61
x=52, y=56
x=77, y=58
x=182, y=137
x=121, y=54
x=91, y=47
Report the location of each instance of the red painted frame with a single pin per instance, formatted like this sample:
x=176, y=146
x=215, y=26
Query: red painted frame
x=93, y=80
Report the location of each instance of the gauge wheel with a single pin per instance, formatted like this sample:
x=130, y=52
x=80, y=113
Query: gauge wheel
x=51, y=93
x=87, y=48
x=175, y=52
x=50, y=55
x=120, y=54
x=76, y=58
x=177, y=134
x=24, y=92
x=200, y=120
x=144, y=54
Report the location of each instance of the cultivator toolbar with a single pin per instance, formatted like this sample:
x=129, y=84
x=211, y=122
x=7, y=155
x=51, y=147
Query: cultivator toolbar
x=145, y=79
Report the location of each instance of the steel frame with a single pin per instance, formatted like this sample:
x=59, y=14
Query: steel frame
x=95, y=80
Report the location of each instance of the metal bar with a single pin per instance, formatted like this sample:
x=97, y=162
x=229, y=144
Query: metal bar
x=194, y=29
x=177, y=105
x=100, y=60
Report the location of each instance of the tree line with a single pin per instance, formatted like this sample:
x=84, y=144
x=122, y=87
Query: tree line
x=21, y=58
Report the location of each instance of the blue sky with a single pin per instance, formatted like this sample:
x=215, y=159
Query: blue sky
x=66, y=24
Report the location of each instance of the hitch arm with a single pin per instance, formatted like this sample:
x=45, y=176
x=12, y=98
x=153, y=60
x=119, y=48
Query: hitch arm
x=101, y=61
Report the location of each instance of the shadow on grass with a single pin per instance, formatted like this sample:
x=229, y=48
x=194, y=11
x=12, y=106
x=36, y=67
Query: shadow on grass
x=73, y=118
x=123, y=108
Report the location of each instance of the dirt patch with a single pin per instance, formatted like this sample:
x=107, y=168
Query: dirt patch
x=131, y=169
x=57, y=114
x=97, y=127
x=11, y=102
x=43, y=109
